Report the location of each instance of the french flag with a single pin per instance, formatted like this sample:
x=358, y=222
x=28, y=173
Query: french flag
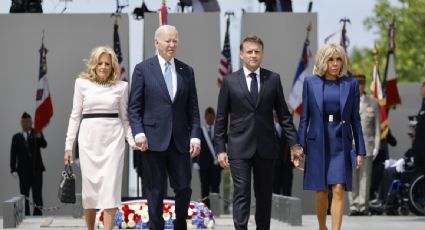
x=44, y=108
x=296, y=96
x=390, y=80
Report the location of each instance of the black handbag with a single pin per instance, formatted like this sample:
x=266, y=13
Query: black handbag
x=66, y=191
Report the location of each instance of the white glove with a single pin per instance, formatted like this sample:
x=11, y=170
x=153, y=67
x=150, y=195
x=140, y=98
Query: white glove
x=195, y=166
x=15, y=174
x=399, y=165
x=374, y=153
x=390, y=163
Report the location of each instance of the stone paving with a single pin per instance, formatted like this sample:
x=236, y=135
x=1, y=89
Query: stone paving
x=225, y=223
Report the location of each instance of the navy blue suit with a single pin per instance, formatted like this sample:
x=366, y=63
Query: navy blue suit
x=168, y=125
x=312, y=126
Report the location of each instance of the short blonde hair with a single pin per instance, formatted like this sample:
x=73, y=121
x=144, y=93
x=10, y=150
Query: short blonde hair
x=93, y=60
x=324, y=53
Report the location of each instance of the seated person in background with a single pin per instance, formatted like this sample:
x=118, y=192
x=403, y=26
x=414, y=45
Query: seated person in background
x=418, y=142
x=394, y=168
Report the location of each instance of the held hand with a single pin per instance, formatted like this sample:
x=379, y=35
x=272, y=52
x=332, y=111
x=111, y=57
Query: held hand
x=359, y=160
x=195, y=149
x=223, y=160
x=135, y=147
x=142, y=143
x=297, y=152
x=68, y=157
x=15, y=174
x=297, y=156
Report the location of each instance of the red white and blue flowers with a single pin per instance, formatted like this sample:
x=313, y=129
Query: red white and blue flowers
x=134, y=215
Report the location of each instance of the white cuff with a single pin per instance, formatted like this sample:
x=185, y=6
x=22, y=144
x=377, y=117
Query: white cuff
x=195, y=141
x=139, y=135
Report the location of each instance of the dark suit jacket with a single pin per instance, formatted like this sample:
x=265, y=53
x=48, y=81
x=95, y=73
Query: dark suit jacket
x=251, y=124
x=419, y=143
x=283, y=151
x=152, y=112
x=311, y=129
x=20, y=151
x=205, y=158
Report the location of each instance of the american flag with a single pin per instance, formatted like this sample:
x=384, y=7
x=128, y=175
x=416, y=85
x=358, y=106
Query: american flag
x=117, y=49
x=225, y=66
x=44, y=107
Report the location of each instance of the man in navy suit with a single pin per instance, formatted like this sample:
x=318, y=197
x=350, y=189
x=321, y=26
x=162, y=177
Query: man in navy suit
x=164, y=117
x=249, y=97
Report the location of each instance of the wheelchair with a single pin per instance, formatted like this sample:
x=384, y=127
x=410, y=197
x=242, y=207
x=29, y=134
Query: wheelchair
x=405, y=195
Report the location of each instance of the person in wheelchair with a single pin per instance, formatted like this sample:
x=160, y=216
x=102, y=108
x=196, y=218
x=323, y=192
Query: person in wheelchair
x=403, y=186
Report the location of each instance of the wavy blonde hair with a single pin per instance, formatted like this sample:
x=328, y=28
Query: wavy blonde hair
x=93, y=60
x=324, y=53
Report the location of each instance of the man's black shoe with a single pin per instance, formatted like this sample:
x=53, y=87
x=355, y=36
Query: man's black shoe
x=354, y=213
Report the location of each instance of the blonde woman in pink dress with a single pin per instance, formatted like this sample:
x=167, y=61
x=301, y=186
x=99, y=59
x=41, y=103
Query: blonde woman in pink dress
x=99, y=112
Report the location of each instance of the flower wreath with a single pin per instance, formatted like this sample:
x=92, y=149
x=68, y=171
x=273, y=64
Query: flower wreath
x=134, y=215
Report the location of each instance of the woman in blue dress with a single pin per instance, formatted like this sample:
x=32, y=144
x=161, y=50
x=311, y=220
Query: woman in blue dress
x=329, y=122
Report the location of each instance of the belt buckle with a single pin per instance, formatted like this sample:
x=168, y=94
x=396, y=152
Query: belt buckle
x=331, y=118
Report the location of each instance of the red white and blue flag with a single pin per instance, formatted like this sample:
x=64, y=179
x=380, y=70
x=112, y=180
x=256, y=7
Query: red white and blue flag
x=378, y=94
x=225, y=66
x=296, y=96
x=163, y=14
x=390, y=80
x=117, y=49
x=44, y=107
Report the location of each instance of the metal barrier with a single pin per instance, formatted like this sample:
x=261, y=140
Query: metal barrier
x=287, y=209
x=13, y=211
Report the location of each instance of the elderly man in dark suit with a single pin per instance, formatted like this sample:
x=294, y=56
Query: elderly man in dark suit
x=164, y=117
x=27, y=164
x=249, y=97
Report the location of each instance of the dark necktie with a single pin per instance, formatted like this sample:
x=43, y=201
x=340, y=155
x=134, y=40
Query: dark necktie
x=254, y=87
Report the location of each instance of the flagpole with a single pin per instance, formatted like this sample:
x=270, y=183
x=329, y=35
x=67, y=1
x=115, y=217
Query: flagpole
x=308, y=29
x=375, y=54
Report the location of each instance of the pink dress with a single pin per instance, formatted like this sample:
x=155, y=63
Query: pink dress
x=101, y=140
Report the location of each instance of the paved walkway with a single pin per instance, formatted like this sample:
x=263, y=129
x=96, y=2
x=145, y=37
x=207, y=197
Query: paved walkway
x=225, y=223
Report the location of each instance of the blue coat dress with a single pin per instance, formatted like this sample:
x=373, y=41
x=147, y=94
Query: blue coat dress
x=313, y=126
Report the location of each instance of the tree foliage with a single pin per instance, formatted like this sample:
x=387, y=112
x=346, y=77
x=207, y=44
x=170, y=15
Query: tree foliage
x=409, y=17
